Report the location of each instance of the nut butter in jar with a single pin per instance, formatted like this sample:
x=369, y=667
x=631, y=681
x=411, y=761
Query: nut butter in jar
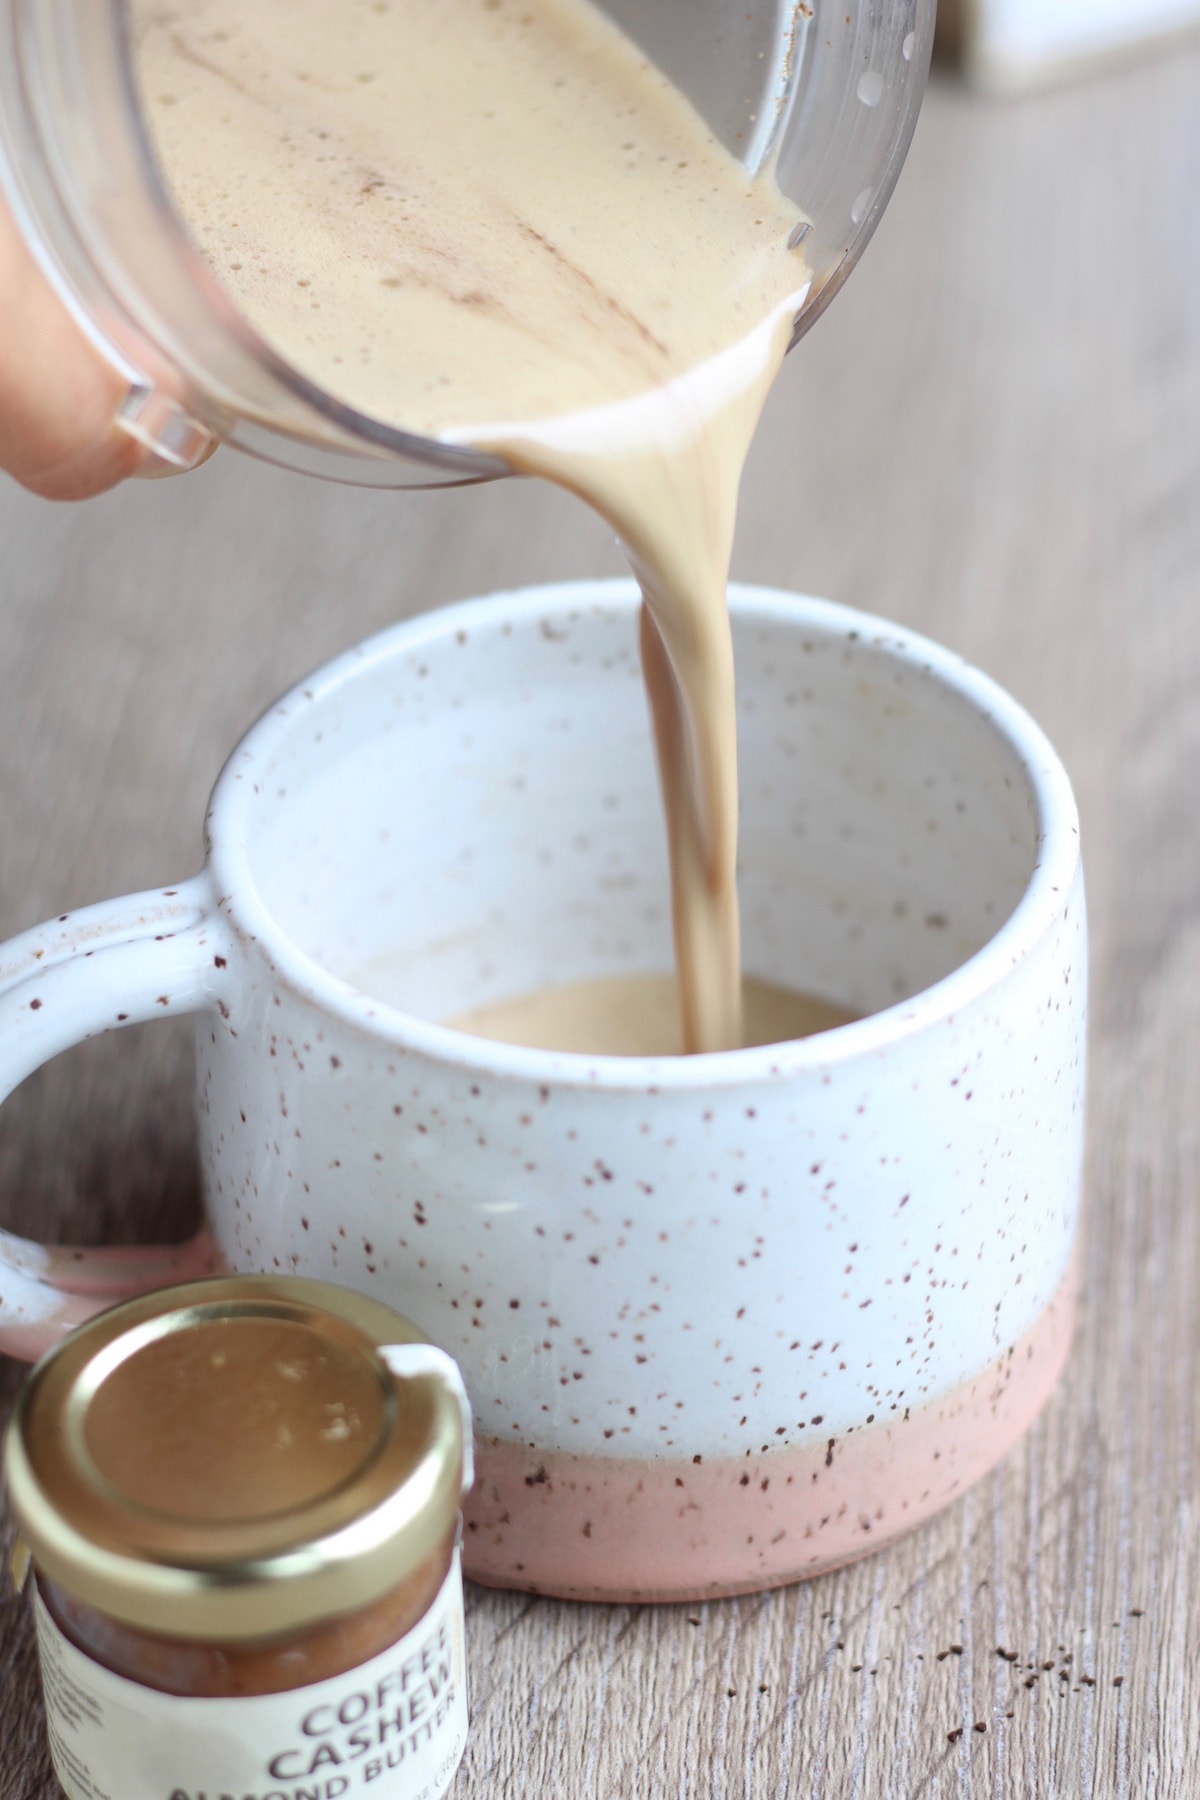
x=241, y=1499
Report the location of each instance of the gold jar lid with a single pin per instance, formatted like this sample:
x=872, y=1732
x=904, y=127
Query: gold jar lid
x=238, y=1458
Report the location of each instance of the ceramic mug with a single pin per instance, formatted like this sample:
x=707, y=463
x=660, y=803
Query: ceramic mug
x=725, y=1320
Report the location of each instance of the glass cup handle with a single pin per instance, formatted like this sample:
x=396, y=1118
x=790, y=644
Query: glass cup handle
x=149, y=413
x=147, y=956
x=177, y=441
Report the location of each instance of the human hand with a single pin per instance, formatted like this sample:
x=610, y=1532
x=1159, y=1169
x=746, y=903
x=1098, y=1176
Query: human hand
x=58, y=397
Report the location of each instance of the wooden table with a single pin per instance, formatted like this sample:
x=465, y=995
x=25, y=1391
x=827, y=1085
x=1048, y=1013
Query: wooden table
x=995, y=437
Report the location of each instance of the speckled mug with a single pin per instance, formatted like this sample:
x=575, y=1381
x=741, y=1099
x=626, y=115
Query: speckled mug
x=725, y=1320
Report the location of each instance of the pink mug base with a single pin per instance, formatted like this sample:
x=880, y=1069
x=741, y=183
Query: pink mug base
x=607, y=1529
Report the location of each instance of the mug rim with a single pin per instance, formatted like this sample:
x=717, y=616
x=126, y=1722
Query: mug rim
x=1046, y=891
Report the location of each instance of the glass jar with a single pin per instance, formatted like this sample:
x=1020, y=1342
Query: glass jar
x=824, y=92
x=241, y=1501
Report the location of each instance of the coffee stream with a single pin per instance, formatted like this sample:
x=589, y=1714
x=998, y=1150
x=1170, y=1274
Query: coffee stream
x=495, y=223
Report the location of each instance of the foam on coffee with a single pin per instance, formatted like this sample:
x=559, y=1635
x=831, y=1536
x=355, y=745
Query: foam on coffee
x=494, y=222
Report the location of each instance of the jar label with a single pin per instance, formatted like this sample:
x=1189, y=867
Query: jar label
x=395, y=1728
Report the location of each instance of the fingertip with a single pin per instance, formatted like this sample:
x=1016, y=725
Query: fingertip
x=89, y=470
x=61, y=402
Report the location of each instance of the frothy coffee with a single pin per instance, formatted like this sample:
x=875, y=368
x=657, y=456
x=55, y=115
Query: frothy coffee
x=638, y=1015
x=495, y=223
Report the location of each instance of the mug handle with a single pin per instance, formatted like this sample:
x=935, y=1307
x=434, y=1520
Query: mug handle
x=147, y=956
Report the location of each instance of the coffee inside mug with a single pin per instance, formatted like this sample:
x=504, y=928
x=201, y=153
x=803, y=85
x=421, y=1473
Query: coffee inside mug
x=483, y=821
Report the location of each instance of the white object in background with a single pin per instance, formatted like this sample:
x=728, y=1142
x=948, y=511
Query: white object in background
x=1007, y=45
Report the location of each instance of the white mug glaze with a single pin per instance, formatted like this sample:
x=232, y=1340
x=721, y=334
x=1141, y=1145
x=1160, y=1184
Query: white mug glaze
x=725, y=1320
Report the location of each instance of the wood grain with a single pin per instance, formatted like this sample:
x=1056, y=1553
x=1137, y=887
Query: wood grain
x=995, y=436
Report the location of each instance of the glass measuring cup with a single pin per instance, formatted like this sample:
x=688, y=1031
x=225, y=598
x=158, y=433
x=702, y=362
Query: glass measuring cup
x=825, y=90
